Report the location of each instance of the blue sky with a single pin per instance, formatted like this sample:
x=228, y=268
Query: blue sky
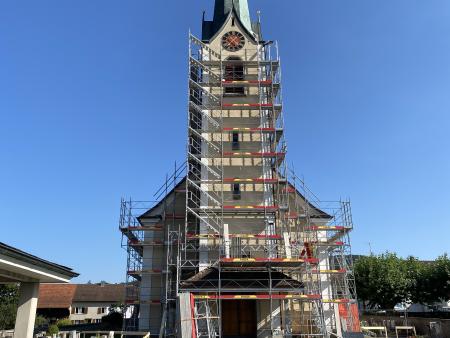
x=93, y=107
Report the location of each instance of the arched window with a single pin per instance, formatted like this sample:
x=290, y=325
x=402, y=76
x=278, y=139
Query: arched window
x=234, y=71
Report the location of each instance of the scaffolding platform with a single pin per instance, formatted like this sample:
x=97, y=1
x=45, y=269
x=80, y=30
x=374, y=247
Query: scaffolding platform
x=260, y=296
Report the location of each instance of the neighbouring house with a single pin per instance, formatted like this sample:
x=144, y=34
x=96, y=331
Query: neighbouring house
x=81, y=303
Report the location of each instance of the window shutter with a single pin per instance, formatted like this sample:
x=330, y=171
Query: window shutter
x=99, y=310
x=72, y=310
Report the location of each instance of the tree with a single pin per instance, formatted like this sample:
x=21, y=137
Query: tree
x=63, y=322
x=365, y=268
x=53, y=329
x=421, y=292
x=385, y=280
x=9, y=297
x=40, y=321
x=440, y=278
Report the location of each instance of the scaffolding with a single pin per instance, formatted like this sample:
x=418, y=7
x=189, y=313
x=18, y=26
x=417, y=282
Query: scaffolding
x=151, y=262
x=234, y=223
x=296, y=250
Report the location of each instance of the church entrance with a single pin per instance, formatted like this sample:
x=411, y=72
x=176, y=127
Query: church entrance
x=239, y=318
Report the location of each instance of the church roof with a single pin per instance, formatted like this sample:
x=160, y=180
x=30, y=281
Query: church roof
x=315, y=212
x=222, y=9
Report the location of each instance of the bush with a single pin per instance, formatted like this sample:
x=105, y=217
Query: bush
x=53, y=329
x=40, y=321
x=63, y=322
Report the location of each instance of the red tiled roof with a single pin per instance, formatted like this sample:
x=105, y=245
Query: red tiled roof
x=112, y=293
x=56, y=296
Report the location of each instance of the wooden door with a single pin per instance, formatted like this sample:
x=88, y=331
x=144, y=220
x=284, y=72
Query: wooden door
x=239, y=318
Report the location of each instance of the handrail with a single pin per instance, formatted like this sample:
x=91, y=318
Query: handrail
x=174, y=177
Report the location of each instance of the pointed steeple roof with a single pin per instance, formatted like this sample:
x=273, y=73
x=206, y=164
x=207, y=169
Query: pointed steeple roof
x=222, y=9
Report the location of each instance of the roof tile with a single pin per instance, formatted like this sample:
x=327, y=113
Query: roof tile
x=56, y=296
x=64, y=295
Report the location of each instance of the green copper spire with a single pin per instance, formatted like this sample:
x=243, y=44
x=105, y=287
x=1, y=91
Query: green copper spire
x=222, y=9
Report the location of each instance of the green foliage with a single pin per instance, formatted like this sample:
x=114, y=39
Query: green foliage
x=439, y=279
x=9, y=296
x=53, y=329
x=385, y=280
x=63, y=322
x=382, y=280
x=423, y=291
x=40, y=321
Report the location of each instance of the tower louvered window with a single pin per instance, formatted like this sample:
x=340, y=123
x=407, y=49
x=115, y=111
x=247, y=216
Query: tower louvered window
x=234, y=71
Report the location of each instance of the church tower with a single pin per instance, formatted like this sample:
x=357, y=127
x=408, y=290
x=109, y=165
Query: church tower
x=236, y=245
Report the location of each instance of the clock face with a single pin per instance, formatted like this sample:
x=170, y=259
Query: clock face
x=233, y=41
